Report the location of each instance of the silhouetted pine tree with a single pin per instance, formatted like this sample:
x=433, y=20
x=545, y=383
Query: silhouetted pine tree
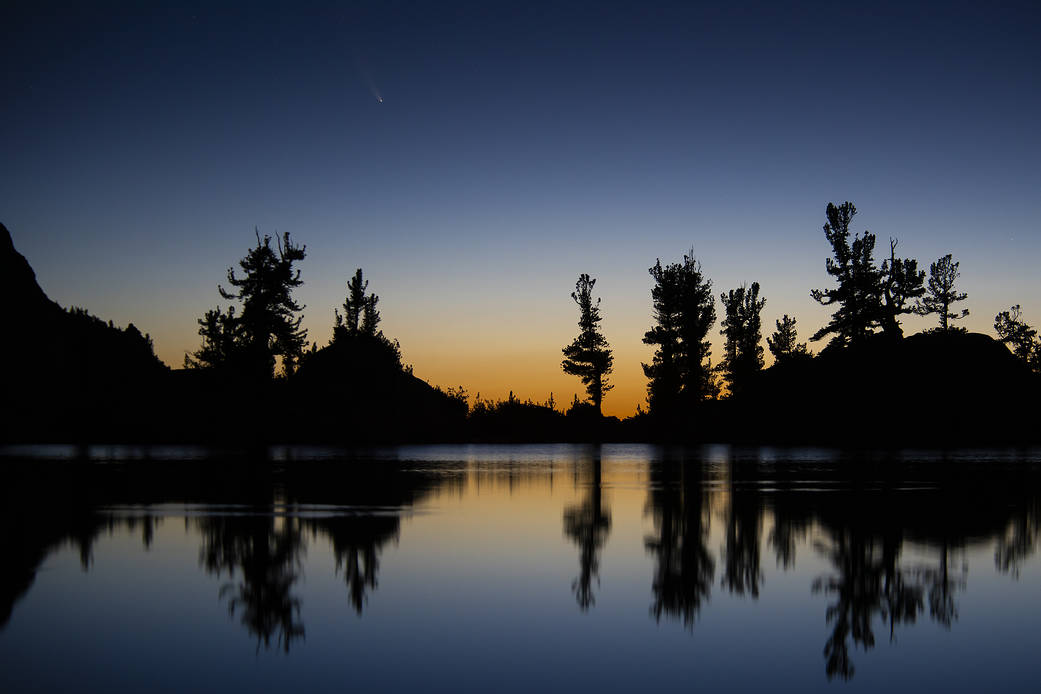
x=742, y=328
x=859, y=290
x=354, y=304
x=358, y=329
x=902, y=282
x=589, y=356
x=942, y=275
x=221, y=341
x=1020, y=337
x=684, y=312
x=370, y=317
x=269, y=325
x=783, y=343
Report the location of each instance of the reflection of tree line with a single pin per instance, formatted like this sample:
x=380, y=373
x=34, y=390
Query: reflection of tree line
x=261, y=552
x=256, y=537
x=860, y=525
x=32, y=536
x=864, y=528
x=511, y=474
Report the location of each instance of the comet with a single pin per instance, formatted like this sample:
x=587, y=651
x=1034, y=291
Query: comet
x=359, y=65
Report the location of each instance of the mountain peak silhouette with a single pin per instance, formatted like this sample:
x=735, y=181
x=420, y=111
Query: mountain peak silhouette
x=18, y=285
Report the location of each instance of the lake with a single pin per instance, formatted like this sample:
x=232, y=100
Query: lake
x=520, y=568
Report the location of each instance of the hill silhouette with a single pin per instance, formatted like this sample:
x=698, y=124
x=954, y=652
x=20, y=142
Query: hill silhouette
x=932, y=388
x=355, y=389
x=67, y=369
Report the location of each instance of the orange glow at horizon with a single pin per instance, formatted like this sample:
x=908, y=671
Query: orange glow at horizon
x=531, y=376
x=493, y=364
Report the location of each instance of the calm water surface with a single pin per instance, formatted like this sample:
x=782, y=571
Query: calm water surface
x=520, y=568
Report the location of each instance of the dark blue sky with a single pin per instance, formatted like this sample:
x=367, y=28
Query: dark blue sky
x=516, y=146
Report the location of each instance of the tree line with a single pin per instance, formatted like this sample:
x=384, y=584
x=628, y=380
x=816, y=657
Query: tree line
x=267, y=331
x=868, y=299
x=262, y=338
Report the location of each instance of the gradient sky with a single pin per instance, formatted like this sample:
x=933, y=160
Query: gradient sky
x=517, y=145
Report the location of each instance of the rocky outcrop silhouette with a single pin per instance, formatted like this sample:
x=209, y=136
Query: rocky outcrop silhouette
x=68, y=373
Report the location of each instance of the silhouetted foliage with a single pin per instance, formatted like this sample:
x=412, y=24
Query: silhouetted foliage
x=268, y=327
x=109, y=344
x=684, y=312
x=1020, y=337
x=588, y=356
x=784, y=343
x=356, y=387
x=360, y=314
x=222, y=341
x=359, y=326
x=859, y=280
x=514, y=419
x=902, y=282
x=580, y=408
x=270, y=324
x=942, y=294
x=459, y=395
x=742, y=328
x=354, y=304
x=82, y=379
x=867, y=296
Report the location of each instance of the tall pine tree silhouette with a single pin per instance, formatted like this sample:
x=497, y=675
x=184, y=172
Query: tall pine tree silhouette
x=268, y=326
x=684, y=312
x=858, y=294
x=742, y=330
x=589, y=356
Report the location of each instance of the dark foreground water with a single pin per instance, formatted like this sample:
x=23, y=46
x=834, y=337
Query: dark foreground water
x=521, y=568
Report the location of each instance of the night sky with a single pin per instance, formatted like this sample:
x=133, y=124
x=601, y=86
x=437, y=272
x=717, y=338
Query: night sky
x=516, y=146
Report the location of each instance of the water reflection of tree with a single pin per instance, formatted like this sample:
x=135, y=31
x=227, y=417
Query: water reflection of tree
x=867, y=584
x=357, y=541
x=684, y=568
x=744, y=521
x=258, y=550
x=1019, y=539
x=588, y=524
x=942, y=584
x=149, y=523
x=790, y=526
x=264, y=552
x=865, y=519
